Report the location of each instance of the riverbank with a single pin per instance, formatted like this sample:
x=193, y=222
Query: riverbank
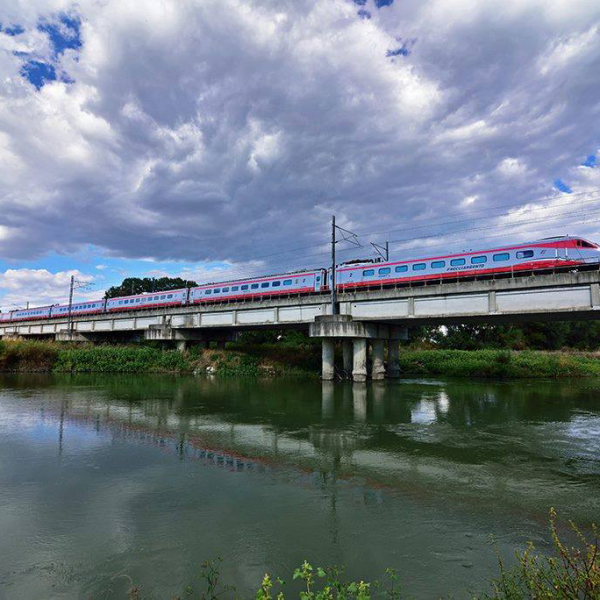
x=282, y=360
x=264, y=360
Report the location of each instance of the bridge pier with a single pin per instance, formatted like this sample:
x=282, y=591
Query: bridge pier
x=354, y=336
x=328, y=354
x=377, y=362
x=359, y=362
x=393, y=366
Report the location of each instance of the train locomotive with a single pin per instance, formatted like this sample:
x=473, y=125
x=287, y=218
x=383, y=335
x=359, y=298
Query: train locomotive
x=548, y=253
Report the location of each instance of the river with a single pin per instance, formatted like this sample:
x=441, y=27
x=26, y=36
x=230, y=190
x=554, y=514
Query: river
x=109, y=480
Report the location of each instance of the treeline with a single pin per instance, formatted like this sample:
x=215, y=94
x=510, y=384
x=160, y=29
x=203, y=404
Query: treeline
x=579, y=335
x=147, y=285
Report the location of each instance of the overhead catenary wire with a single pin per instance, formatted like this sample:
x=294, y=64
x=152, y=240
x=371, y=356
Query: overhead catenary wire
x=434, y=223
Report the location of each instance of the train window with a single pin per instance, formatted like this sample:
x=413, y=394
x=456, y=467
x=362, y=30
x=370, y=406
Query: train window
x=138, y=300
x=477, y=260
x=401, y=268
x=419, y=267
x=318, y=278
x=244, y=287
x=208, y=292
x=276, y=283
x=163, y=297
x=385, y=271
x=525, y=254
x=368, y=272
x=120, y=301
x=287, y=282
x=254, y=286
x=438, y=264
x=264, y=284
x=235, y=288
x=457, y=262
x=156, y=297
x=501, y=257
x=225, y=290
x=169, y=295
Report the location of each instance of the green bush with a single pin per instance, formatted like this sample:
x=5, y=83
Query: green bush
x=109, y=359
x=498, y=363
x=27, y=355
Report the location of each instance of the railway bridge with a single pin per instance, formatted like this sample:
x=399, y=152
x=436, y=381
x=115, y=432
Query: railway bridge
x=375, y=317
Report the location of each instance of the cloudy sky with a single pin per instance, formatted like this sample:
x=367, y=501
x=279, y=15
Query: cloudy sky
x=215, y=138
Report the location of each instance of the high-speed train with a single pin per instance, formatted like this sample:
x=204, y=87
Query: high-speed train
x=548, y=253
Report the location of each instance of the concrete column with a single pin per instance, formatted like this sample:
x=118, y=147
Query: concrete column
x=181, y=345
x=359, y=360
x=347, y=350
x=393, y=368
x=378, y=368
x=328, y=369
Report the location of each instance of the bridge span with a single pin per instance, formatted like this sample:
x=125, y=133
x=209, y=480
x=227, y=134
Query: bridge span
x=377, y=316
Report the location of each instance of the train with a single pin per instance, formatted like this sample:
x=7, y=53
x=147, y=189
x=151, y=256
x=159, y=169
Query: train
x=548, y=253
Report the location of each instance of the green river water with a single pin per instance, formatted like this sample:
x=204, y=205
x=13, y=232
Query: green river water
x=108, y=480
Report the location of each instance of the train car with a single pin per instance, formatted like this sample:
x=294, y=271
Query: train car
x=547, y=253
x=5, y=317
x=155, y=300
x=29, y=314
x=78, y=308
x=302, y=282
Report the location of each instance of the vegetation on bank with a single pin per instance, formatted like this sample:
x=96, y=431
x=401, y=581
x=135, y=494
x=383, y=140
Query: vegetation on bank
x=284, y=359
x=571, y=571
x=504, y=364
x=236, y=361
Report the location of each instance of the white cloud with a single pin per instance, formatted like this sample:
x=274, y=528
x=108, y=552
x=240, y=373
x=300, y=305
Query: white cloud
x=512, y=167
x=224, y=131
x=40, y=287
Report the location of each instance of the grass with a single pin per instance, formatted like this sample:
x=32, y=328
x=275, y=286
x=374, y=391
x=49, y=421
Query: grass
x=284, y=360
x=499, y=363
x=237, y=361
x=123, y=359
x=568, y=572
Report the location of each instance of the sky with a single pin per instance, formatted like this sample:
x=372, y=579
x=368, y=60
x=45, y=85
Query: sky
x=214, y=139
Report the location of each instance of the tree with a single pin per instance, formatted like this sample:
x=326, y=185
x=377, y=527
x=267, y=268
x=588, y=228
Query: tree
x=135, y=285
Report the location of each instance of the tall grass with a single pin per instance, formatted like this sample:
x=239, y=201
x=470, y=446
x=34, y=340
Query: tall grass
x=499, y=363
x=109, y=359
x=22, y=355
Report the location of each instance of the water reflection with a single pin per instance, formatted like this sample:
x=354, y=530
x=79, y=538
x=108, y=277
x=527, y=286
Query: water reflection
x=406, y=468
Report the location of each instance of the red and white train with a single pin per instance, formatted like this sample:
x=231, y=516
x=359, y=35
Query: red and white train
x=549, y=253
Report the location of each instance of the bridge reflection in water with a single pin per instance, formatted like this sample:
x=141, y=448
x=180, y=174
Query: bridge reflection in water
x=406, y=468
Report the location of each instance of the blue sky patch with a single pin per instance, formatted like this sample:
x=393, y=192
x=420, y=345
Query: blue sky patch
x=360, y=2
x=402, y=51
x=64, y=33
x=38, y=73
x=380, y=3
x=364, y=14
x=559, y=184
x=12, y=29
x=590, y=161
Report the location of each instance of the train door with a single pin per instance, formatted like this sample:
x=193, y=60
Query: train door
x=318, y=281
